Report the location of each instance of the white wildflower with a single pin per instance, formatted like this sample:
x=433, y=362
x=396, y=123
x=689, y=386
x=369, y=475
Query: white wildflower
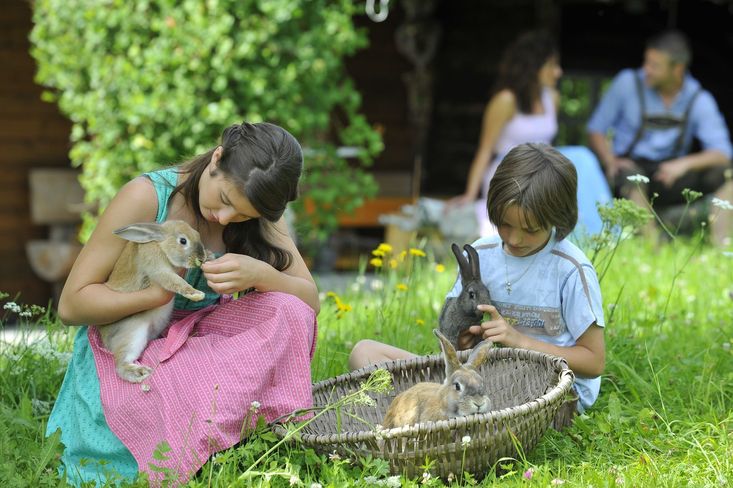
x=722, y=204
x=557, y=482
x=726, y=346
x=40, y=407
x=426, y=477
x=145, y=387
x=393, y=482
x=294, y=480
x=638, y=178
x=334, y=456
x=12, y=306
x=355, y=287
x=254, y=406
x=25, y=313
x=316, y=485
x=361, y=279
x=376, y=285
x=371, y=480
x=466, y=440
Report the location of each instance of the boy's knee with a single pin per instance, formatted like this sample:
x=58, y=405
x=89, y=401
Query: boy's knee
x=361, y=353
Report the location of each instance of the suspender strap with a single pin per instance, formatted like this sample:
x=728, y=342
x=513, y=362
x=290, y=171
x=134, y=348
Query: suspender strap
x=685, y=125
x=642, y=116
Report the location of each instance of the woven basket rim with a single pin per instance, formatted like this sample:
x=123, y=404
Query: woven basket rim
x=564, y=384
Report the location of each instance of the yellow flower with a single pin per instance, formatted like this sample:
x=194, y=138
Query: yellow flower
x=393, y=263
x=402, y=255
x=378, y=252
x=384, y=247
x=376, y=262
x=420, y=322
x=331, y=294
x=417, y=252
x=344, y=307
x=439, y=268
x=402, y=287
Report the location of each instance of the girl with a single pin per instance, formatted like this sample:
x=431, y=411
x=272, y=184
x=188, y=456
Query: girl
x=221, y=357
x=522, y=109
x=544, y=292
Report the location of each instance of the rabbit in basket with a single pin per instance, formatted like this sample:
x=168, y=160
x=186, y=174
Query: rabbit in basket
x=155, y=253
x=459, y=313
x=462, y=393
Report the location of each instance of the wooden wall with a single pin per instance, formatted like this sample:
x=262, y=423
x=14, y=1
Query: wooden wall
x=32, y=134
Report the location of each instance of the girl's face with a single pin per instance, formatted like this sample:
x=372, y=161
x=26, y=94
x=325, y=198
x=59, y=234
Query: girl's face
x=550, y=72
x=521, y=236
x=219, y=200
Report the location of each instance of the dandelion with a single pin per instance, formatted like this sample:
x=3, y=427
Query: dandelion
x=439, y=268
x=528, y=474
x=417, y=252
x=376, y=262
x=401, y=287
x=465, y=440
x=393, y=263
x=638, y=178
x=722, y=204
x=402, y=255
x=377, y=252
x=419, y=321
x=385, y=248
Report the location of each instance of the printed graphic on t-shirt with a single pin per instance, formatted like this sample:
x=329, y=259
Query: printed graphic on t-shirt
x=532, y=320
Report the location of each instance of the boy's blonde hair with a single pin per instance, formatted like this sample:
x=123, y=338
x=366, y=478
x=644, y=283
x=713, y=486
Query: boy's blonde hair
x=539, y=180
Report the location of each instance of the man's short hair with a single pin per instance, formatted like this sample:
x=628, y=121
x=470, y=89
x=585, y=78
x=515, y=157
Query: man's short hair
x=674, y=43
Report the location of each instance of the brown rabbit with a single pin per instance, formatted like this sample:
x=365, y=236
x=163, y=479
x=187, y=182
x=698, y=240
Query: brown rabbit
x=462, y=393
x=155, y=253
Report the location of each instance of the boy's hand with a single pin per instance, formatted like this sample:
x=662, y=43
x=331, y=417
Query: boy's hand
x=496, y=329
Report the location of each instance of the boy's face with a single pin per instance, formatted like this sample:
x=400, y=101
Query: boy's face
x=521, y=234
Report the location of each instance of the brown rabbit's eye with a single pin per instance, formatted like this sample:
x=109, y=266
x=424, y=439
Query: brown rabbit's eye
x=457, y=385
x=183, y=241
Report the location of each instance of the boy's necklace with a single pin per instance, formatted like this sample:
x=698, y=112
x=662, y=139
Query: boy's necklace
x=507, y=282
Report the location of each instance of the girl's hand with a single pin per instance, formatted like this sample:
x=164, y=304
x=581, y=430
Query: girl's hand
x=231, y=273
x=496, y=329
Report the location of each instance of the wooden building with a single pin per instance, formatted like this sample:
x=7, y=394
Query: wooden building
x=425, y=79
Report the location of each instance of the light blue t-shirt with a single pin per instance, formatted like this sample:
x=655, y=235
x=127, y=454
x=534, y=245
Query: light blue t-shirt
x=555, y=296
x=620, y=110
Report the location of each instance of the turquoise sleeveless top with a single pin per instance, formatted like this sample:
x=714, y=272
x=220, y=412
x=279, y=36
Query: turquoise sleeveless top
x=92, y=452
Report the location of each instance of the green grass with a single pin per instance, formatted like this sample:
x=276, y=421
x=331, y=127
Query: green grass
x=663, y=418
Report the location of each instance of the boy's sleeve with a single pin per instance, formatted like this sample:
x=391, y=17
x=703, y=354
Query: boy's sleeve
x=456, y=290
x=582, y=304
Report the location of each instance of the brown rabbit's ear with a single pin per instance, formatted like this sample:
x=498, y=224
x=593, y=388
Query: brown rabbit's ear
x=473, y=261
x=142, y=232
x=479, y=353
x=463, y=266
x=449, y=353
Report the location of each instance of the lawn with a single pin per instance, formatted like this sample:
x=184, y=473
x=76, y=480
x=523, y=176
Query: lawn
x=663, y=417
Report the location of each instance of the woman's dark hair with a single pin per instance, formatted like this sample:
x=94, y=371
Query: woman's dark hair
x=539, y=180
x=520, y=64
x=264, y=162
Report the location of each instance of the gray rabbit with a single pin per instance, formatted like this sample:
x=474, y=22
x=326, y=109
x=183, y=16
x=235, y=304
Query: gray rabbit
x=459, y=313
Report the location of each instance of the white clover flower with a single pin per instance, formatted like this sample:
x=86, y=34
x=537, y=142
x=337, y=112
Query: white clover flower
x=255, y=405
x=294, y=480
x=376, y=285
x=722, y=204
x=316, y=485
x=557, y=482
x=638, y=178
x=465, y=440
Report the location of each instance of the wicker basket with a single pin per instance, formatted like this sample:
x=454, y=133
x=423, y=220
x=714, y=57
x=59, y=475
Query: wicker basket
x=527, y=389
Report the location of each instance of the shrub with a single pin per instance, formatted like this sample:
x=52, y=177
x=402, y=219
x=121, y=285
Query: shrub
x=151, y=82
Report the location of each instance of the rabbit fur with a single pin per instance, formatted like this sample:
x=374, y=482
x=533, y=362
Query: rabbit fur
x=459, y=313
x=154, y=253
x=462, y=393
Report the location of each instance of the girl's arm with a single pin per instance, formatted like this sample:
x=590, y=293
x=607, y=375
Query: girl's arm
x=587, y=358
x=85, y=299
x=499, y=111
x=235, y=272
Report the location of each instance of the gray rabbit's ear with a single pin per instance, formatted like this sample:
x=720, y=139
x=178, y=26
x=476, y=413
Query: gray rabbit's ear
x=449, y=353
x=480, y=353
x=142, y=232
x=463, y=266
x=473, y=260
